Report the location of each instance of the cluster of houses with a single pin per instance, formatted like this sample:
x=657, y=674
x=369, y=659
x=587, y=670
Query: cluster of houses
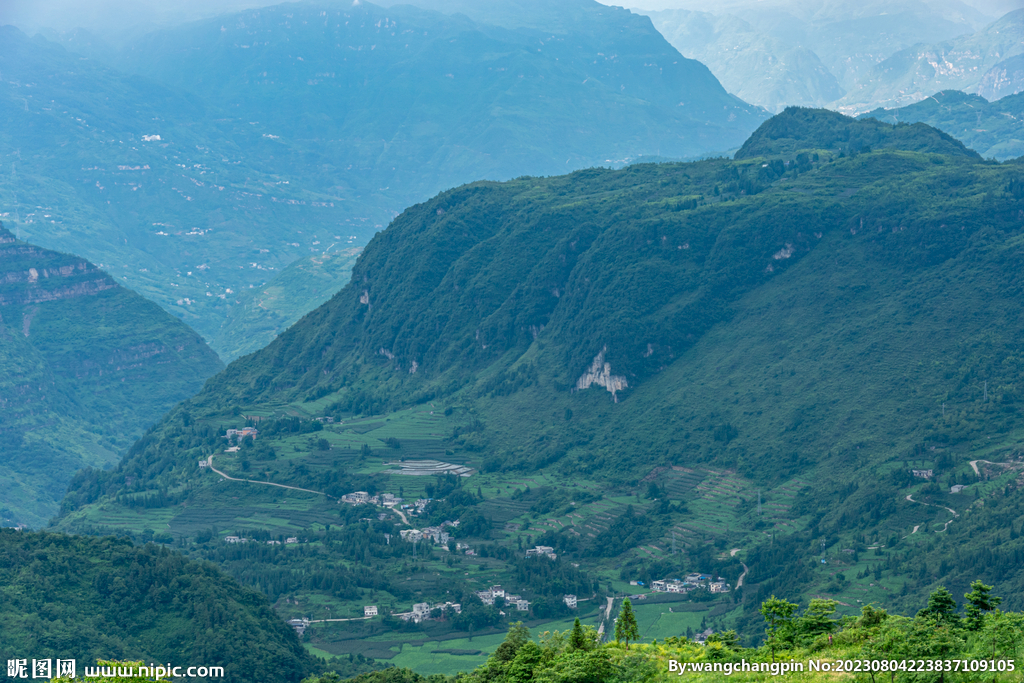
x=239, y=434
x=488, y=596
x=240, y=539
x=422, y=611
x=364, y=498
x=542, y=551
x=691, y=582
x=386, y=500
x=436, y=533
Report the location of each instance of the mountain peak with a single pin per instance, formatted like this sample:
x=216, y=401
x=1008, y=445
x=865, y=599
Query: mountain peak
x=799, y=128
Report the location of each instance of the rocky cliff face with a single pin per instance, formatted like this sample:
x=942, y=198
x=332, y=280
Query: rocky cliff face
x=85, y=365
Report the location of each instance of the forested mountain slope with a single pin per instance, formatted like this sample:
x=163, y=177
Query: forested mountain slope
x=995, y=129
x=64, y=597
x=85, y=366
x=836, y=306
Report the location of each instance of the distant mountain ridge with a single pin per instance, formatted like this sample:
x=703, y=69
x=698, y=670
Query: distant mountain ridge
x=967, y=63
x=85, y=365
x=779, y=53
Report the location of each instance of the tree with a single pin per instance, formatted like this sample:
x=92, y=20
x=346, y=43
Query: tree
x=941, y=606
x=979, y=601
x=577, y=640
x=817, y=618
x=518, y=635
x=778, y=617
x=625, y=626
x=1001, y=635
x=520, y=669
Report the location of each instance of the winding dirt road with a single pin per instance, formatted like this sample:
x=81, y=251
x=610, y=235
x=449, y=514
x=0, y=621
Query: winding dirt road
x=209, y=463
x=945, y=526
x=974, y=465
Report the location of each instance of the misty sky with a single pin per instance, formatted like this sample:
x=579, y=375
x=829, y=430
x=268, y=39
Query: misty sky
x=128, y=18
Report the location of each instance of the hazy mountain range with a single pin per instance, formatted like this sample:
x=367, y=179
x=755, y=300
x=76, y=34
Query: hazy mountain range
x=311, y=125
x=851, y=56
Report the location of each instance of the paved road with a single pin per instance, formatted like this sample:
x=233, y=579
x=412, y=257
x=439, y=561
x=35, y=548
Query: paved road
x=607, y=616
x=739, y=583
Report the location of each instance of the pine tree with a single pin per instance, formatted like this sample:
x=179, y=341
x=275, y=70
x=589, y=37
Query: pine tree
x=979, y=601
x=577, y=639
x=625, y=626
x=941, y=606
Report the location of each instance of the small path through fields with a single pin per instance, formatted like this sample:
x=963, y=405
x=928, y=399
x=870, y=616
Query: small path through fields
x=946, y=526
x=209, y=463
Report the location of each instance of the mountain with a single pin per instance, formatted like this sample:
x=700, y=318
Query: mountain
x=773, y=367
x=963, y=63
x=995, y=129
x=1005, y=78
x=768, y=70
x=195, y=163
x=85, y=366
x=779, y=54
x=418, y=100
x=88, y=599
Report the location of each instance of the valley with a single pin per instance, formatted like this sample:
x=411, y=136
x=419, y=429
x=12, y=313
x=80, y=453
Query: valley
x=346, y=341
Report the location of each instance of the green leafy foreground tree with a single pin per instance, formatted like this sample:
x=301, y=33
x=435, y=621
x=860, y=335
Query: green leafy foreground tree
x=778, y=617
x=626, y=628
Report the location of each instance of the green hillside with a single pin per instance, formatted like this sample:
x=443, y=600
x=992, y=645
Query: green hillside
x=85, y=366
x=88, y=599
x=728, y=366
x=994, y=129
